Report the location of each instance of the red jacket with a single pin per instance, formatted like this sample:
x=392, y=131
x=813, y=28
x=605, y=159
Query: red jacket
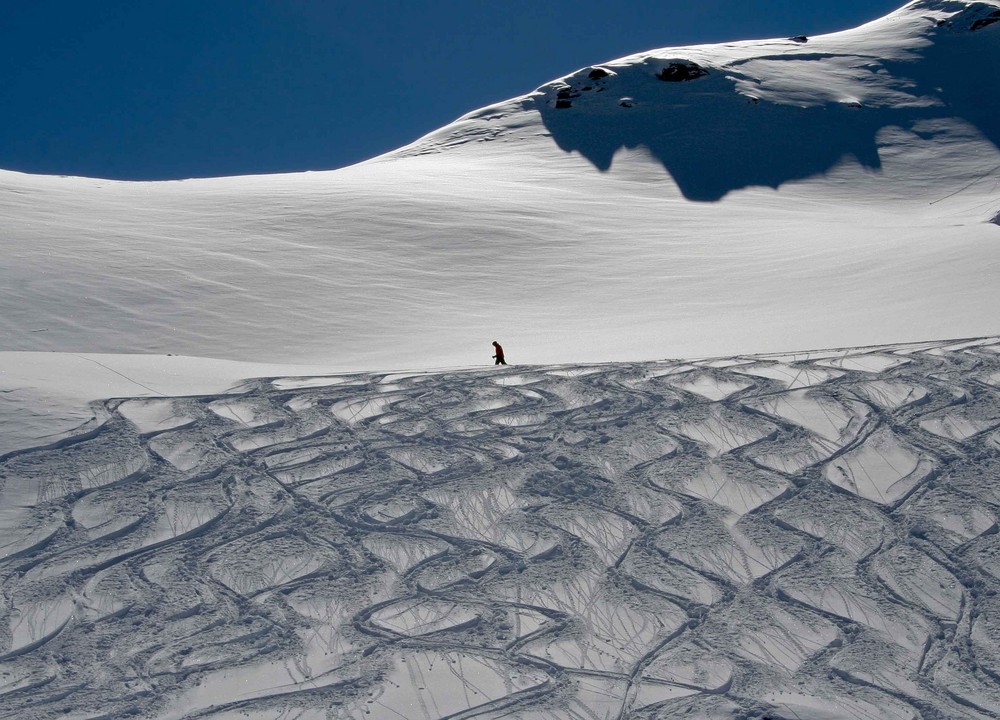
x=496, y=346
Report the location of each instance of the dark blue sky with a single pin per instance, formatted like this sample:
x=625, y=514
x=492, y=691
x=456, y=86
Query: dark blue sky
x=154, y=89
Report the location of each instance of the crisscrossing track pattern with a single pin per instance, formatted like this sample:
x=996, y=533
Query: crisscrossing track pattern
x=805, y=536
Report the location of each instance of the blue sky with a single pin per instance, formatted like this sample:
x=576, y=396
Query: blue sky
x=157, y=89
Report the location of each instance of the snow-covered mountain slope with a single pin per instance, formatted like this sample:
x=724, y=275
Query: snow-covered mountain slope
x=815, y=192
x=803, y=537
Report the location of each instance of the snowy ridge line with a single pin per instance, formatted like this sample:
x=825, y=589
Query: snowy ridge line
x=718, y=198
x=806, y=535
x=900, y=347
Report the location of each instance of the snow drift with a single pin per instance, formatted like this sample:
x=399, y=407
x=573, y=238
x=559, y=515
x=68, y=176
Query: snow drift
x=749, y=196
x=805, y=535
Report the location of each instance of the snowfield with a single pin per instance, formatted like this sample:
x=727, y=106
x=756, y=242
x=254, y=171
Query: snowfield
x=807, y=536
x=251, y=464
x=829, y=193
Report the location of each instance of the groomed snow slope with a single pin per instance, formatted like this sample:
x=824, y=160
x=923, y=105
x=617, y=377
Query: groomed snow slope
x=807, y=537
x=828, y=192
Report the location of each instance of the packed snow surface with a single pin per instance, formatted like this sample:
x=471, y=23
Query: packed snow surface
x=593, y=533
x=812, y=192
x=746, y=537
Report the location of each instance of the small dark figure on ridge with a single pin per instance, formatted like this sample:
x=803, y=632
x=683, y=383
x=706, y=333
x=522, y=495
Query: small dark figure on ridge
x=499, y=355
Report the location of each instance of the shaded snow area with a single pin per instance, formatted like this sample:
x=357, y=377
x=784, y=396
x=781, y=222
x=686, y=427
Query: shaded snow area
x=753, y=196
x=47, y=396
x=805, y=537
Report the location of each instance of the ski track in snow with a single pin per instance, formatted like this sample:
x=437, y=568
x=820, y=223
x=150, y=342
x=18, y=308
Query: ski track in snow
x=756, y=538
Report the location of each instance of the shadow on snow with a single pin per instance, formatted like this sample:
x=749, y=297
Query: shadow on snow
x=713, y=138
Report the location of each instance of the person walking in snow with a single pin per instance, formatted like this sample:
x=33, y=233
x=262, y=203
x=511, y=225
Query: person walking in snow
x=499, y=354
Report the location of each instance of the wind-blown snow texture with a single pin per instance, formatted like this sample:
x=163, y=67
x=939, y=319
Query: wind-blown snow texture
x=836, y=191
x=809, y=537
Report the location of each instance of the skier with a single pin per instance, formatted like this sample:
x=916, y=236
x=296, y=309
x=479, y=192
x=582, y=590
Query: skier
x=499, y=354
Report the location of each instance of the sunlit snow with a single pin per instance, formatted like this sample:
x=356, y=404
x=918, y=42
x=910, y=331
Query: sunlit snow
x=382, y=527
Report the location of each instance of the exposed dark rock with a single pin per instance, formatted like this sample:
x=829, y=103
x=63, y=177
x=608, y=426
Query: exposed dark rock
x=681, y=72
x=799, y=39
x=983, y=22
x=591, y=79
x=975, y=17
x=566, y=93
x=996, y=219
